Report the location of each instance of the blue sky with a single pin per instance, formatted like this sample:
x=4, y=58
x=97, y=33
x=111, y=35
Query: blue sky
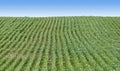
x=59, y=7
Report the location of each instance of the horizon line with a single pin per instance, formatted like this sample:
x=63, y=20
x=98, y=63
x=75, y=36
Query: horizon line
x=67, y=16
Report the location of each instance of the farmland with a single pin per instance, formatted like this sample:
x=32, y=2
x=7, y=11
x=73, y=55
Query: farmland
x=60, y=43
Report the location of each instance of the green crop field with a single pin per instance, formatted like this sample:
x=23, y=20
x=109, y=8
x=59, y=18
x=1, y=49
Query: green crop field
x=60, y=43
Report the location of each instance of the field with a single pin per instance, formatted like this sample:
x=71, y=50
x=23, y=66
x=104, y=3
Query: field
x=60, y=43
